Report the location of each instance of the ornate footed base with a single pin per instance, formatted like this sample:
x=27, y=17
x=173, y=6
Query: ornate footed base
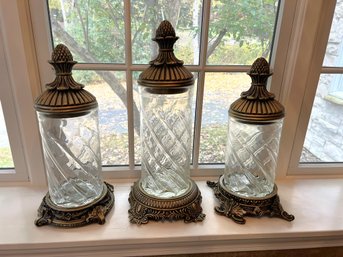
x=145, y=207
x=50, y=214
x=236, y=207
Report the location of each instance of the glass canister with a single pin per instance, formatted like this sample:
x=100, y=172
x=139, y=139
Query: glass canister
x=68, y=121
x=166, y=124
x=166, y=90
x=255, y=124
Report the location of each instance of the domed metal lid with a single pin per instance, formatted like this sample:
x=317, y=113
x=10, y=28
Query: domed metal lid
x=64, y=97
x=166, y=74
x=257, y=105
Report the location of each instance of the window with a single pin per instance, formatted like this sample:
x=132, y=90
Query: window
x=111, y=40
x=324, y=136
x=316, y=148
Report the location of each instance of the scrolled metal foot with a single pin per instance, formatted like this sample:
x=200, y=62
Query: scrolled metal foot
x=49, y=214
x=278, y=211
x=235, y=207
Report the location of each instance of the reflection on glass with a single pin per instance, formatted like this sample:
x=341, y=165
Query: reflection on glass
x=334, y=49
x=221, y=89
x=166, y=134
x=184, y=15
x=109, y=88
x=324, y=136
x=6, y=160
x=240, y=31
x=93, y=30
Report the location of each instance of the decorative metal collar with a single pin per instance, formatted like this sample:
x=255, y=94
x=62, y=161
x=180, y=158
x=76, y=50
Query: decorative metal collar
x=166, y=73
x=257, y=105
x=64, y=96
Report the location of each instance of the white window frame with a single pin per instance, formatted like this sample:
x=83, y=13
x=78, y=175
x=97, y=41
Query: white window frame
x=16, y=96
x=302, y=77
x=302, y=29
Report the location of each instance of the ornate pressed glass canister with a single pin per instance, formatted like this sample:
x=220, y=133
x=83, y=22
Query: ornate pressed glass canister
x=255, y=122
x=68, y=122
x=165, y=190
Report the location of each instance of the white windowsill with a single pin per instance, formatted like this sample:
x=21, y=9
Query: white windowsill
x=316, y=204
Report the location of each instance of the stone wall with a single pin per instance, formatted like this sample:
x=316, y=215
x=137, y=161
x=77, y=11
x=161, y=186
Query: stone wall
x=324, y=138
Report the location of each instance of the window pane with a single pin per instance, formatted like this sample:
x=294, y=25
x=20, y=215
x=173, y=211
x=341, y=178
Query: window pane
x=221, y=89
x=136, y=114
x=136, y=108
x=334, y=49
x=324, y=137
x=109, y=88
x=240, y=31
x=184, y=15
x=6, y=160
x=92, y=30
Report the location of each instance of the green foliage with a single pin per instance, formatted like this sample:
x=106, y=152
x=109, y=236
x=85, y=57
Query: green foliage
x=245, y=21
x=97, y=26
x=235, y=54
x=6, y=158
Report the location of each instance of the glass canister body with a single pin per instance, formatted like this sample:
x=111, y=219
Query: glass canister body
x=72, y=158
x=166, y=130
x=251, y=157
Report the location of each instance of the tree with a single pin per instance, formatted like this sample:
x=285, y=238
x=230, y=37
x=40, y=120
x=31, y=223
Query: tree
x=245, y=21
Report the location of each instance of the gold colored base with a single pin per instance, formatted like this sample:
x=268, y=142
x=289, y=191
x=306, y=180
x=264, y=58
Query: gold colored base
x=145, y=207
x=95, y=212
x=236, y=207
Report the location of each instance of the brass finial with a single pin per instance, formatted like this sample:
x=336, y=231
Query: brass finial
x=62, y=61
x=257, y=105
x=165, y=30
x=166, y=72
x=64, y=96
x=61, y=53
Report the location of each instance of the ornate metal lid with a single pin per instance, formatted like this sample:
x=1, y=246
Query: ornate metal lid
x=64, y=97
x=166, y=74
x=257, y=105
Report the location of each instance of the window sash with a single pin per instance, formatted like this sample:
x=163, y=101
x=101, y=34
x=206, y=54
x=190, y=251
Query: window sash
x=312, y=49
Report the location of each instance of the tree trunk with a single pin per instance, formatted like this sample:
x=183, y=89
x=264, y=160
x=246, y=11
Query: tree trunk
x=107, y=76
x=215, y=43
